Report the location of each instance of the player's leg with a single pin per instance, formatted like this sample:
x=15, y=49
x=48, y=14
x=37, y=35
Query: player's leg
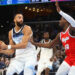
x=30, y=63
x=72, y=70
x=63, y=69
x=41, y=67
x=48, y=67
x=14, y=67
x=47, y=71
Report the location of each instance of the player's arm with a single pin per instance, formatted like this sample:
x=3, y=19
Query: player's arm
x=27, y=32
x=66, y=16
x=50, y=45
x=11, y=51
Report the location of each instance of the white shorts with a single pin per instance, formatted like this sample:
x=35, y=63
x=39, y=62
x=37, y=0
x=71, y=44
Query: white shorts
x=42, y=65
x=18, y=63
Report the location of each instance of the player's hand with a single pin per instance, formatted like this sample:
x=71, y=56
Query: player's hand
x=57, y=6
x=3, y=46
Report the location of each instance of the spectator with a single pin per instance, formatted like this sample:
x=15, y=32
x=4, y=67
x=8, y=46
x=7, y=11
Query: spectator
x=7, y=62
x=2, y=63
x=56, y=64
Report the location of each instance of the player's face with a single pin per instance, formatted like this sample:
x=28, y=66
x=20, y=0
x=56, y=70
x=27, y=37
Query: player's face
x=62, y=22
x=19, y=20
x=46, y=36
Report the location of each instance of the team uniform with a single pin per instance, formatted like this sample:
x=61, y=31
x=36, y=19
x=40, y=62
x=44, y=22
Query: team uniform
x=25, y=59
x=45, y=55
x=68, y=66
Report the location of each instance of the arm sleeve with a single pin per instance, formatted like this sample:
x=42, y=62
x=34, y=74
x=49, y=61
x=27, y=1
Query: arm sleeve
x=68, y=18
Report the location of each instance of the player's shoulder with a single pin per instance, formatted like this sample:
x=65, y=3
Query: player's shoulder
x=58, y=34
x=27, y=29
x=10, y=33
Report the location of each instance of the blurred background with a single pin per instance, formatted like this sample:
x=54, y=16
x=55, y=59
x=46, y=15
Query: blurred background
x=41, y=15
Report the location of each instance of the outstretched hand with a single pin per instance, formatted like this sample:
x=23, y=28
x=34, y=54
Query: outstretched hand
x=57, y=6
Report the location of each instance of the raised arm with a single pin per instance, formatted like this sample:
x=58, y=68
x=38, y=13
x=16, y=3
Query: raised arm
x=50, y=45
x=27, y=35
x=64, y=15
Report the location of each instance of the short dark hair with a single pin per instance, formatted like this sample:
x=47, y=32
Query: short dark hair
x=18, y=12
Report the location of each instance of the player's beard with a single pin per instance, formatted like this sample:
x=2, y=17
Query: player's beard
x=20, y=24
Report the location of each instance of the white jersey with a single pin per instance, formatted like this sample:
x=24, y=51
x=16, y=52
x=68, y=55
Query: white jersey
x=17, y=38
x=46, y=53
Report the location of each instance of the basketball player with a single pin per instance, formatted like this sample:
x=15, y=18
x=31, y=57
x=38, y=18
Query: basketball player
x=19, y=42
x=67, y=37
x=44, y=62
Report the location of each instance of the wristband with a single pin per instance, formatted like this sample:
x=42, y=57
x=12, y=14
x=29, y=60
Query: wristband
x=9, y=46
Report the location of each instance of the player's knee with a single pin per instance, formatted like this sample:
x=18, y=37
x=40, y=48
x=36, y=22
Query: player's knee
x=39, y=71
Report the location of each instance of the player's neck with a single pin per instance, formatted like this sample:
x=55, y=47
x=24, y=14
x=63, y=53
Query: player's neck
x=17, y=28
x=47, y=40
x=66, y=26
